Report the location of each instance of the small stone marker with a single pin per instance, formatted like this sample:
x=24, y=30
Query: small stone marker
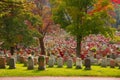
x=60, y=62
x=2, y=62
x=51, y=62
x=112, y=63
x=41, y=62
x=104, y=62
x=78, y=63
x=69, y=63
x=30, y=64
x=87, y=64
x=12, y=63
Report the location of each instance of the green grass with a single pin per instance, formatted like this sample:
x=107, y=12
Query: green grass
x=96, y=71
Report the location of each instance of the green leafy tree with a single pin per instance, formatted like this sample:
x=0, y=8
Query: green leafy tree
x=13, y=30
x=83, y=17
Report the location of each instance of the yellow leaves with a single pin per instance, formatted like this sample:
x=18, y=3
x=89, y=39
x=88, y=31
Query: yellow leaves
x=102, y=5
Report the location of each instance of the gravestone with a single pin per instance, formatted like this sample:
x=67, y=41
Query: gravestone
x=12, y=63
x=104, y=62
x=60, y=62
x=117, y=60
x=69, y=63
x=78, y=63
x=30, y=64
x=87, y=64
x=41, y=62
x=2, y=62
x=112, y=63
x=51, y=61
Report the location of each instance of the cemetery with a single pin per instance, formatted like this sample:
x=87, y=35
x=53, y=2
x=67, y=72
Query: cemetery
x=37, y=39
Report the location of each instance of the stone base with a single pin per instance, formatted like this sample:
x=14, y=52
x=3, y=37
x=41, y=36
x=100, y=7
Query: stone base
x=112, y=66
x=12, y=67
x=2, y=67
x=78, y=67
x=87, y=68
x=41, y=68
x=50, y=65
x=30, y=68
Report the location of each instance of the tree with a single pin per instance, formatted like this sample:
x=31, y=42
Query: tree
x=12, y=27
x=41, y=8
x=83, y=17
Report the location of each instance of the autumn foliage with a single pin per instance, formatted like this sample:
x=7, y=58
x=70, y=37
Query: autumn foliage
x=101, y=5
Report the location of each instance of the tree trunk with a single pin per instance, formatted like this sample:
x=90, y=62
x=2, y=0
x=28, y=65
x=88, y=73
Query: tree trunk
x=78, y=48
x=12, y=50
x=42, y=47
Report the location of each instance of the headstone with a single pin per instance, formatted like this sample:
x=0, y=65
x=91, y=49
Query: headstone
x=51, y=61
x=78, y=63
x=2, y=62
x=117, y=60
x=12, y=63
x=69, y=63
x=60, y=62
x=41, y=62
x=18, y=57
x=112, y=63
x=87, y=64
x=104, y=62
x=30, y=64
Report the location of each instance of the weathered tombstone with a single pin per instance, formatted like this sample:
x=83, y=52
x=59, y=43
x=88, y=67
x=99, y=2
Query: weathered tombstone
x=78, y=63
x=117, y=60
x=41, y=62
x=51, y=61
x=60, y=62
x=2, y=62
x=112, y=63
x=18, y=57
x=12, y=63
x=69, y=63
x=87, y=64
x=104, y=62
x=30, y=64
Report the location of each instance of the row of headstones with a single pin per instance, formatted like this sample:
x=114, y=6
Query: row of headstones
x=42, y=63
x=104, y=62
x=30, y=63
x=11, y=63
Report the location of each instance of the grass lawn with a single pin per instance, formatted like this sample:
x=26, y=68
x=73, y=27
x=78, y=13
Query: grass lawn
x=96, y=71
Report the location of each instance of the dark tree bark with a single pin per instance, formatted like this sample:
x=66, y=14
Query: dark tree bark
x=42, y=47
x=12, y=50
x=78, y=48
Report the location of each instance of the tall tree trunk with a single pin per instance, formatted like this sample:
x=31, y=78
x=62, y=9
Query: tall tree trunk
x=42, y=47
x=12, y=50
x=78, y=48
